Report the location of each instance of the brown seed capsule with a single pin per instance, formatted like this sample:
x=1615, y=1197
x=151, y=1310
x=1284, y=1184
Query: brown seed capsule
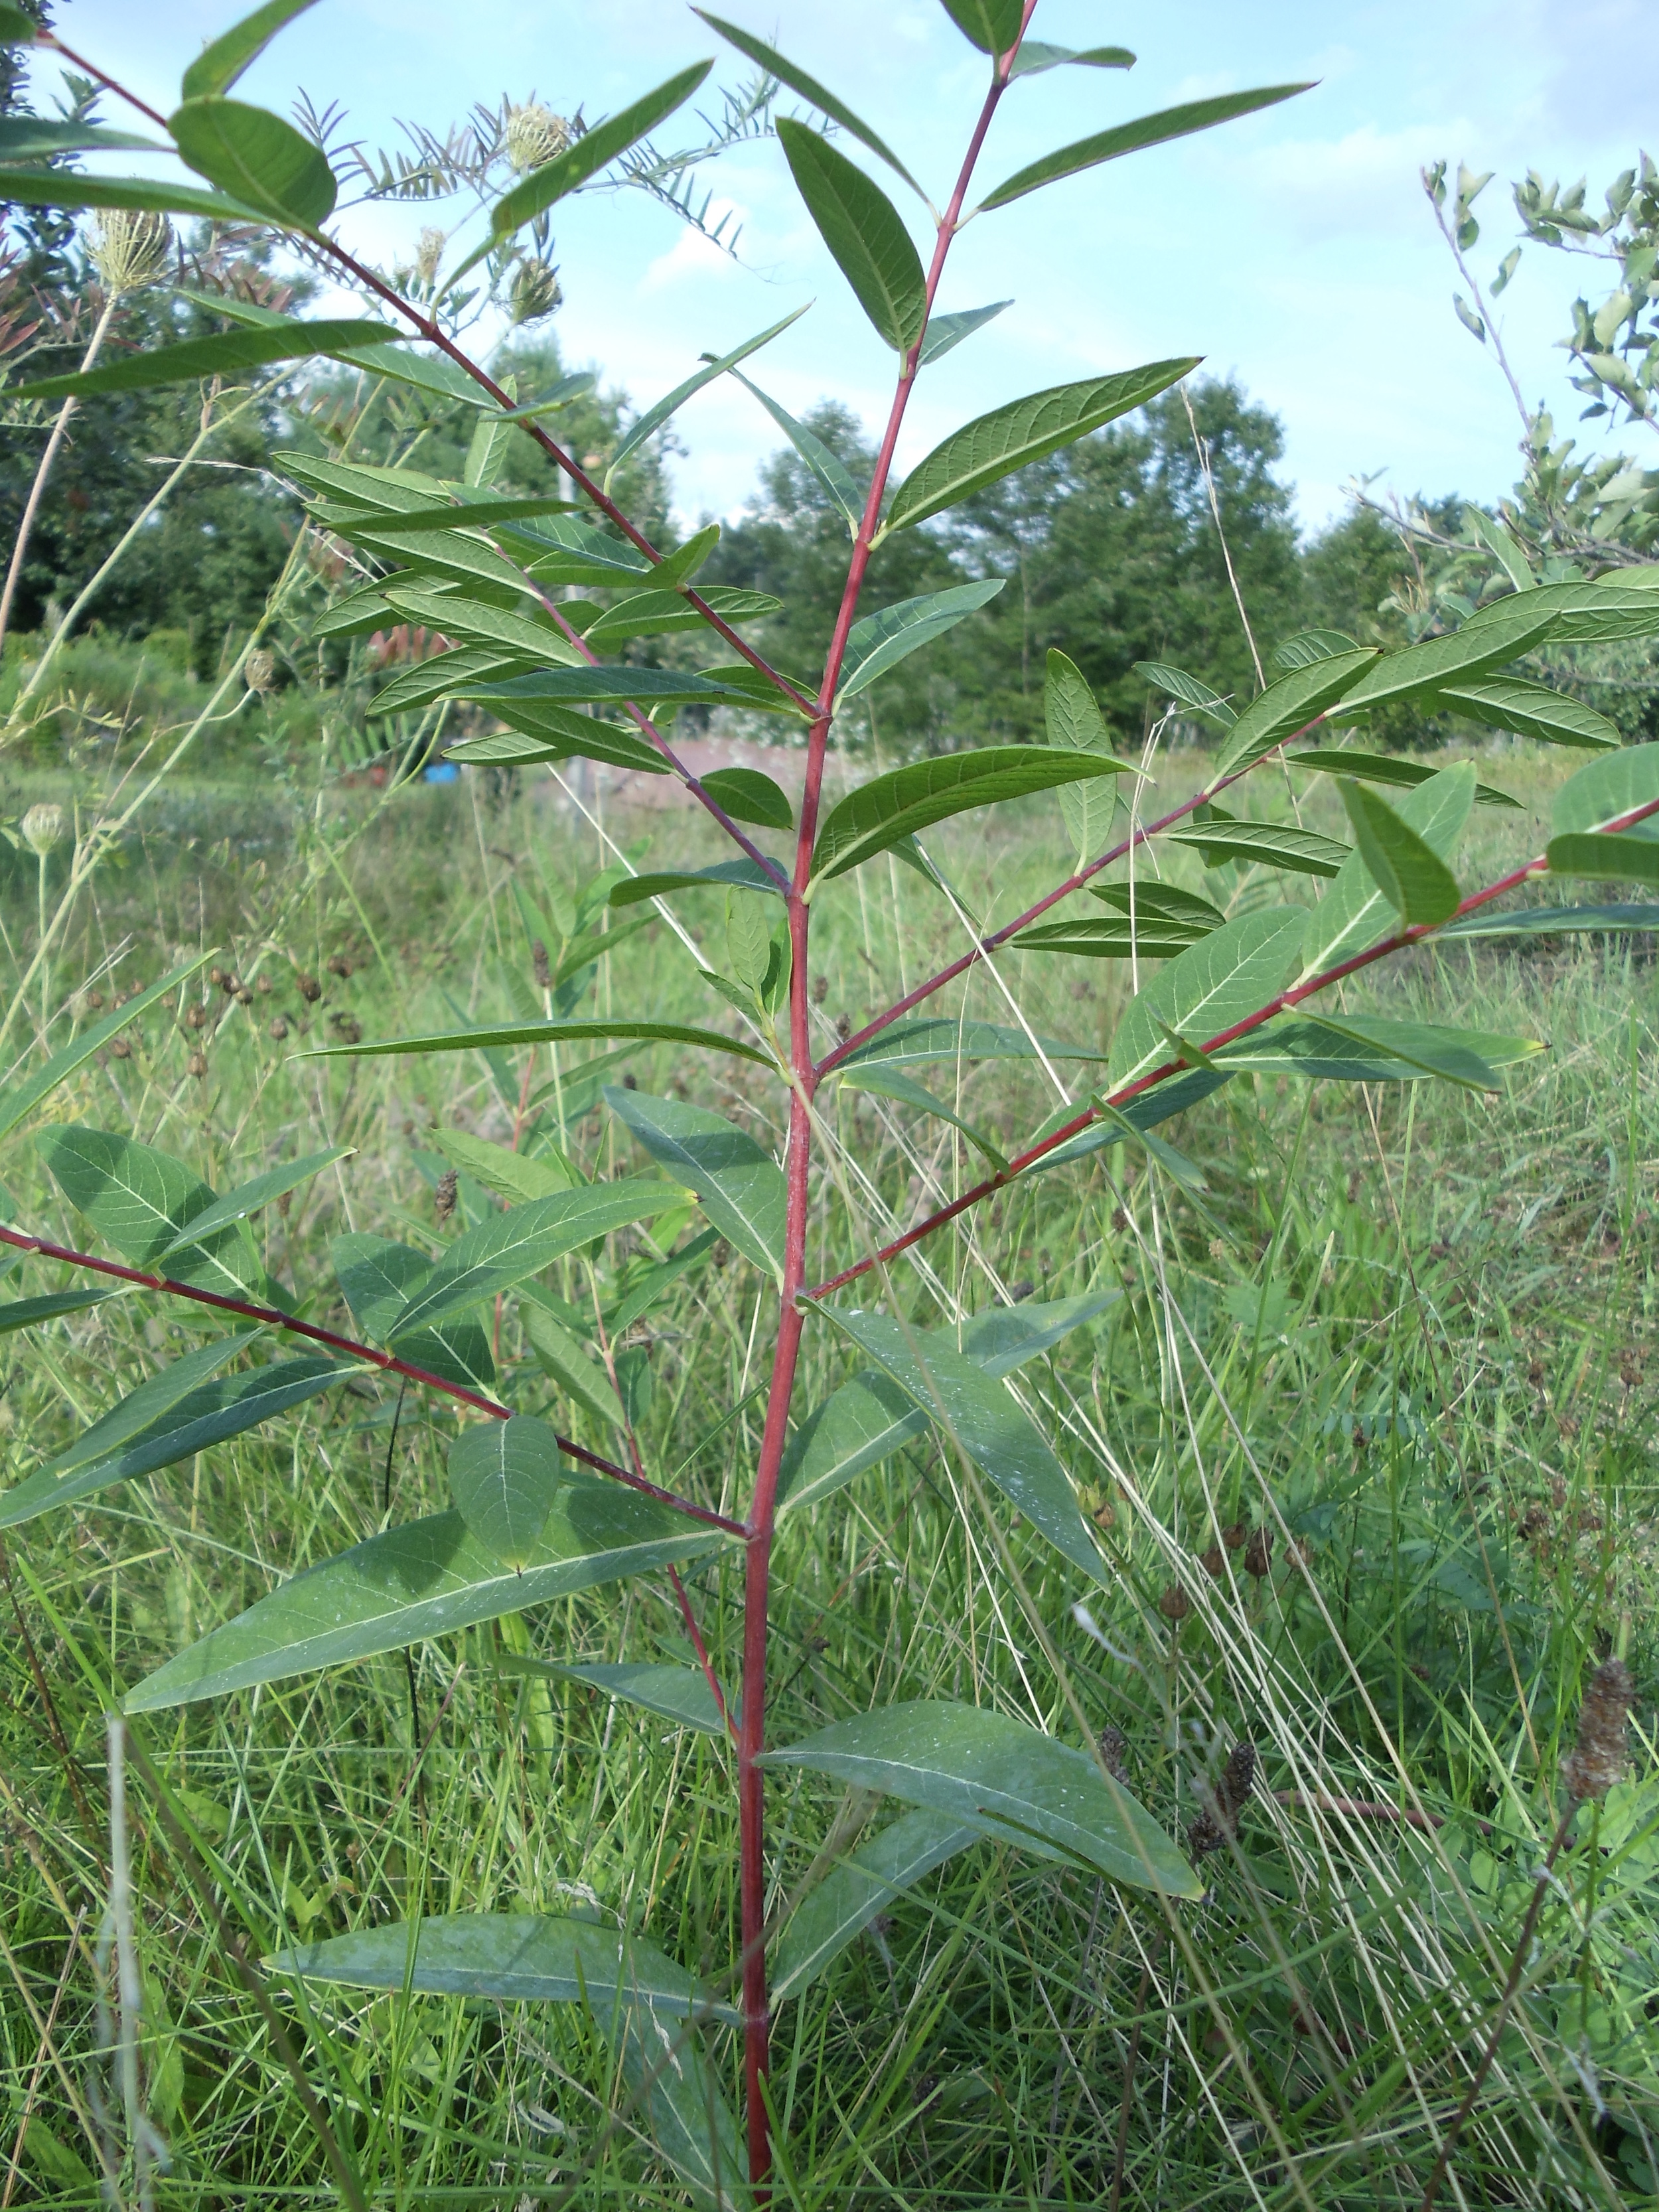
x=215, y=975
x=1218, y=1821
x=1175, y=1604
x=1105, y=1515
x=1235, y=1537
x=351, y=1032
x=338, y=964
x=230, y=984
x=243, y=995
x=1259, y=1551
x=278, y=1027
x=443, y=1198
x=1212, y=1562
x=541, y=966
x=310, y=988
x=121, y=1049
x=96, y=1000
x=196, y=1016
x=843, y=1026
x=820, y=989
x=1597, y=1760
x=196, y=1064
x=262, y=987
x=285, y=1204
x=1114, y=1751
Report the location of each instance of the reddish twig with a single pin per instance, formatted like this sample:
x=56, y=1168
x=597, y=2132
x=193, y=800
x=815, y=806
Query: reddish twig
x=701, y=1649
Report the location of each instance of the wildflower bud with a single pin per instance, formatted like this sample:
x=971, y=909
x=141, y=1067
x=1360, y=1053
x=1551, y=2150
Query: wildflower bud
x=230, y=984
x=1212, y=1562
x=541, y=966
x=310, y=988
x=843, y=1026
x=216, y=974
x=1114, y=1751
x=285, y=1204
x=1105, y=1514
x=429, y=253
x=351, y=1032
x=443, y=1198
x=196, y=1064
x=1235, y=1537
x=1175, y=1604
x=278, y=1029
x=130, y=248
x=243, y=995
x=532, y=134
x=259, y=672
x=534, y=292
x=1258, y=1552
x=96, y=1001
x=120, y=1049
x=1598, y=1758
x=262, y=985
x=42, y=826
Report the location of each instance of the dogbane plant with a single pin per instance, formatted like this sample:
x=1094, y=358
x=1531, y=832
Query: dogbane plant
x=537, y=600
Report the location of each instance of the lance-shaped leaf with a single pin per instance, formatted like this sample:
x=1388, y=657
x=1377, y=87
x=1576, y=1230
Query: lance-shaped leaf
x=141, y=1200
x=218, y=67
x=889, y=807
x=208, y=1413
x=229, y=355
x=30, y=1313
x=830, y=471
x=577, y=1032
x=1098, y=937
x=1163, y=902
x=918, y=1043
x=444, y=553
x=1072, y=718
x=999, y=1339
x=572, y=552
x=64, y=188
x=1409, y=872
x=249, y=1197
x=991, y=25
x=881, y=641
x=1608, y=791
x=1364, y=1048
x=18, y=1102
x=512, y=1247
x=1385, y=768
x=504, y=1476
x=17, y=30
x=654, y=418
x=1613, y=609
x=1534, y=710
x=1308, y=645
x=989, y=1424
x=1440, y=661
x=1130, y=137
x=991, y=1772
x=1023, y=430
x=739, y=1186
x=680, y=1694
x=663, y=614
x=550, y=734
x=748, y=796
x=445, y=676
x=1268, y=844
x=1624, y=856
x=615, y=687
x=563, y=1360
x=791, y=73
x=650, y=1288
x=440, y=514
x=1218, y=982
x=1178, y=684
x=31, y=138
x=944, y=331
x=397, y=491
x=851, y=1895
x=378, y=1278
x=745, y=874
x=864, y=232
x=1288, y=706
x=889, y=1083
x=1547, y=920
x=429, y=1577
x=431, y=373
x=257, y=157
x=1033, y=57
x=457, y=616
x=1356, y=912
x=584, y=158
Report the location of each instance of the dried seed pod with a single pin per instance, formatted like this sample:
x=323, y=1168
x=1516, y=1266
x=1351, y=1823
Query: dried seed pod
x=216, y=974
x=351, y=1032
x=1175, y=1604
x=310, y=988
x=1218, y=1823
x=1212, y=1562
x=338, y=964
x=285, y=1204
x=443, y=1198
x=1259, y=1551
x=820, y=989
x=1597, y=1759
x=541, y=966
x=1114, y=1751
x=96, y=1000
x=196, y=1016
x=1236, y=1536
x=196, y=1064
x=843, y=1026
x=262, y=987
x=243, y=995
x=278, y=1027
x=121, y=1049
x=1105, y=1515
x=230, y=984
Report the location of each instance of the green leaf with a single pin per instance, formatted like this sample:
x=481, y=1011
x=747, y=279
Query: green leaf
x=66, y=188
x=1308, y=645
x=662, y=614
x=1603, y=613
x=1608, y=791
x=1607, y=855
x=914, y=1044
x=1355, y=912
x=1268, y=844
x=561, y=551
x=249, y=1197
x=863, y=231
x=183, y=1415
x=791, y=73
x=258, y=157
x=654, y=418
x=28, y=138
x=739, y=1186
x=457, y=616
x=999, y=1339
x=141, y=1200
x=551, y=734
x=680, y=1694
x=29, y=1313
x=944, y=331
x=1033, y=57
x=988, y=1424
x=1439, y=661
x=228, y=356
x=1534, y=710
x=1362, y=1048
x=1130, y=137
x=888, y=1083
x=1288, y=706
x=881, y=641
x=747, y=795
x=431, y=373
x=889, y=807
x=440, y=514
x=440, y=677
x=512, y=1247
x=993, y=26
x=1188, y=690
x=851, y=1895
x=1094, y=938
x=1410, y=873
x=429, y=1577
x=1161, y=902
x=378, y=1279
x=1175, y=1164
x=748, y=940
x=1546, y=920
x=991, y=1772
x=1072, y=718
x=1023, y=430
x=515, y=1177
x=564, y=1361
x=1385, y=768
x=218, y=67
x=20, y=1101
x=505, y=1477
x=747, y=872
x=578, y=1032
x=830, y=471
x=1215, y=983
x=397, y=491
x=17, y=29
x=445, y=553
x=643, y=687
x=586, y=156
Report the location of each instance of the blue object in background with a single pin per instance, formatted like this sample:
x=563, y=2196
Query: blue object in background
x=444, y=772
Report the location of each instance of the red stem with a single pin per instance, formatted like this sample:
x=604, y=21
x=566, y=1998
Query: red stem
x=274, y=1318
x=699, y=1648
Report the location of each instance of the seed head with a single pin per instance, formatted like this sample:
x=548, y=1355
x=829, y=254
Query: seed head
x=534, y=292
x=259, y=671
x=1236, y=1536
x=196, y=1064
x=1175, y=1604
x=1114, y=1751
x=1212, y=1562
x=196, y=1016
x=120, y=1049
x=278, y=1027
x=443, y=1198
x=541, y=966
x=429, y=253
x=820, y=989
x=533, y=134
x=42, y=826
x=1597, y=1759
x=1259, y=1551
x=130, y=248
x=338, y=964
x=1218, y=1822
x=310, y=988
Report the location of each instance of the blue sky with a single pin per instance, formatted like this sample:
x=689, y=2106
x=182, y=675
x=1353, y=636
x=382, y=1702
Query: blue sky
x=1293, y=249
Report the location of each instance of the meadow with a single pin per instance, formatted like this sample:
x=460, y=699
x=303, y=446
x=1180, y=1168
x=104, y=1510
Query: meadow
x=1419, y=1323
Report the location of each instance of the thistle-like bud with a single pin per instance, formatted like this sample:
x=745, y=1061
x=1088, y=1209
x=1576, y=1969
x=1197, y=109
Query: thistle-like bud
x=533, y=293
x=429, y=253
x=42, y=826
x=1175, y=1604
x=533, y=135
x=196, y=1064
x=443, y=1198
x=278, y=1027
x=1597, y=1760
x=130, y=248
x=1235, y=1537
x=1114, y=1752
x=1258, y=1552
x=310, y=989
x=1212, y=1562
x=1218, y=1821
x=259, y=671
x=541, y=966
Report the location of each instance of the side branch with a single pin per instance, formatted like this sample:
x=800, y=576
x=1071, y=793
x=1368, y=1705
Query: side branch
x=273, y=1317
